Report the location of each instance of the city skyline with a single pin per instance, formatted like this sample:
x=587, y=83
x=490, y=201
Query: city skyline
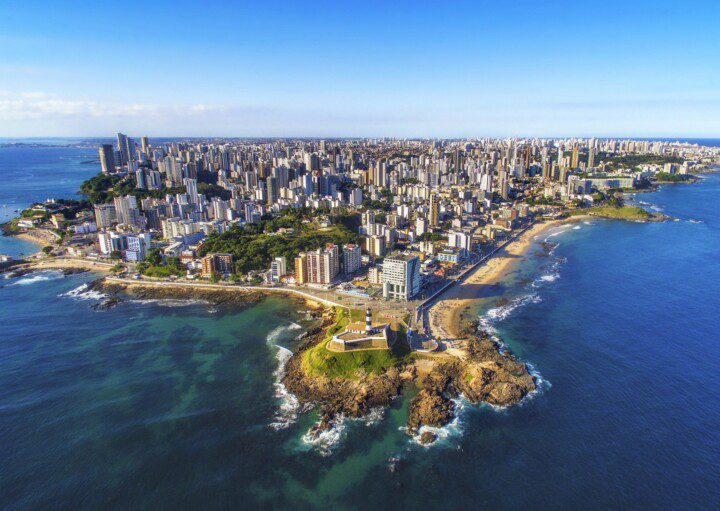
x=407, y=70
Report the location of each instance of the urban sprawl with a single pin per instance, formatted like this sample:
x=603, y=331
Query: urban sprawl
x=371, y=219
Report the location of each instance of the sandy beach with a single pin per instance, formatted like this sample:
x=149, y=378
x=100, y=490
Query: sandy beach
x=444, y=316
x=41, y=237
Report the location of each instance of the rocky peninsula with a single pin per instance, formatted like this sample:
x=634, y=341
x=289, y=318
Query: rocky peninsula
x=486, y=373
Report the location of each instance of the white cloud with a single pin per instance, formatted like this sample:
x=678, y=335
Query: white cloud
x=35, y=113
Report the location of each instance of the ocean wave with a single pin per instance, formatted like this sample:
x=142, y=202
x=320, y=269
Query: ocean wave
x=498, y=314
x=445, y=434
x=374, y=417
x=552, y=277
x=83, y=292
x=289, y=406
x=277, y=332
x=556, y=233
x=325, y=441
x=587, y=223
x=552, y=274
x=39, y=276
x=576, y=227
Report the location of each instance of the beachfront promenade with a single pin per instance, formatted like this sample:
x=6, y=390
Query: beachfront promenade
x=423, y=323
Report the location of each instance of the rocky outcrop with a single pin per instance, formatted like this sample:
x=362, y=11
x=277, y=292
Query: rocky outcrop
x=217, y=296
x=22, y=268
x=489, y=374
x=340, y=397
x=337, y=397
x=429, y=408
x=492, y=375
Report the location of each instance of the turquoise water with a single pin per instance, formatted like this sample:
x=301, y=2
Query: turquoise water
x=169, y=405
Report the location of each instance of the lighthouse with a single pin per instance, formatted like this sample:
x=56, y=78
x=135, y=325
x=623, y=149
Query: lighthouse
x=368, y=320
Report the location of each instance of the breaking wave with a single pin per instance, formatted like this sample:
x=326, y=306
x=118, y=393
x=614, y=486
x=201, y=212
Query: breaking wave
x=326, y=440
x=445, y=434
x=498, y=314
x=83, y=292
x=289, y=406
x=39, y=276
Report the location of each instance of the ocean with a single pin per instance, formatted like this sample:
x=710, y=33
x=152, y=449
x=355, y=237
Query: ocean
x=175, y=405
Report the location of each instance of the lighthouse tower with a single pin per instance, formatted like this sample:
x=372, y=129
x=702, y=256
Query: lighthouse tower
x=368, y=320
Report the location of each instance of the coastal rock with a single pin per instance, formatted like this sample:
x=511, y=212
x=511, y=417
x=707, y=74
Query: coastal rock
x=428, y=437
x=488, y=374
x=217, y=296
x=338, y=396
x=429, y=408
x=493, y=376
x=335, y=396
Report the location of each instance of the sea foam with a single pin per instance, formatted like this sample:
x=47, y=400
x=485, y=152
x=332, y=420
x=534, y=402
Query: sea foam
x=83, y=292
x=40, y=276
x=289, y=406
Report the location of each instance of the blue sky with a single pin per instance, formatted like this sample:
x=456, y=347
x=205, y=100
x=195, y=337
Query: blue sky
x=438, y=69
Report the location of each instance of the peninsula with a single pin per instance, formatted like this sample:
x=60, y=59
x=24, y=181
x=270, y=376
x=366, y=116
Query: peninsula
x=390, y=242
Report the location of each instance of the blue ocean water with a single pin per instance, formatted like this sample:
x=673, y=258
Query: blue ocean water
x=33, y=174
x=170, y=405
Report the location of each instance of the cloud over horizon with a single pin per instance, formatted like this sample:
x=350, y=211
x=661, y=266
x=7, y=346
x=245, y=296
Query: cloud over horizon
x=39, y=113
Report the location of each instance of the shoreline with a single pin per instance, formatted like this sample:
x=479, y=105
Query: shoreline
x=172, y=289
x=444, y=316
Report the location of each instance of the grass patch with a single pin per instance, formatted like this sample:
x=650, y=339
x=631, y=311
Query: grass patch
x=319, y=361
x=357, y=315
x=618, y=213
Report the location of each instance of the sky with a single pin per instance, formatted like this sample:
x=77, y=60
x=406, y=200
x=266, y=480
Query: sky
x=634, y=68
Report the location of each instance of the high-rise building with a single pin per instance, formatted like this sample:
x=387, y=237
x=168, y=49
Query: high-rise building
x=127, y=211
x=301, y=268
x=216, y=263
x=356, y=197
x=278, y=268
x=421, y=226
x=191, y=190
x=272, y=190
x=136, y=247
x=575, y=157
x=173, y=171
x=107, y=158
x=122, y=145
x=401, y=276
x=126, y=148
x=140, y=178
x=105, y=216
x=434, y=211
x=322, y=265
x=351, y=258
x=144, y=145
x=376, y=245
x=461, y=240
